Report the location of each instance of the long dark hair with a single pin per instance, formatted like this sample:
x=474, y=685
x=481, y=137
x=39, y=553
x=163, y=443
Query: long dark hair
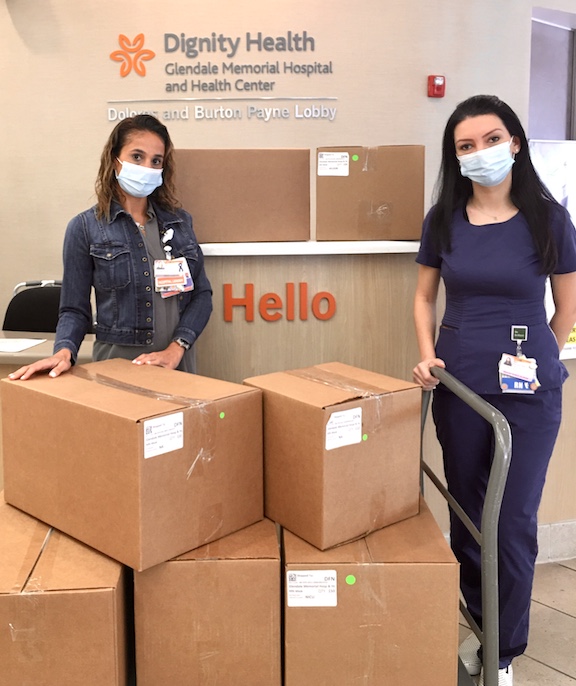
x=528, y=192
x=107, y=188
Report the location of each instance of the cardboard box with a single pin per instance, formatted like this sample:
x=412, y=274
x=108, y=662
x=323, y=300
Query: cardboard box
x=62, y=616
x=369, y=194
x=212, y=616
x=141, y=463
x=245, y=195
x=341, y=451
x=381, y=610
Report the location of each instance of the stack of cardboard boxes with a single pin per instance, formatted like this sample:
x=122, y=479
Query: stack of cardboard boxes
x=142, y=464
x=371, y=588
x=163, y=472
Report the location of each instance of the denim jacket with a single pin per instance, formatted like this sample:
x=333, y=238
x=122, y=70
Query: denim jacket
x=111, y=257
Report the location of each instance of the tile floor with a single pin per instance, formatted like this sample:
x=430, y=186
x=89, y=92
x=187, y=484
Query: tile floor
x=550, y=659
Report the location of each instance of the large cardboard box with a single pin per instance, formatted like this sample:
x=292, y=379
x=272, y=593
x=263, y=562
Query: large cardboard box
x=139, y=462
x=369, y=193
x=381, y=610
x=212, y=616
x=246, y=195
x=341, y=451
x=62, y=612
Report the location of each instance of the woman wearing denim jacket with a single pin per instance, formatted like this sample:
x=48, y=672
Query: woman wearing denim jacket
x=116, y=247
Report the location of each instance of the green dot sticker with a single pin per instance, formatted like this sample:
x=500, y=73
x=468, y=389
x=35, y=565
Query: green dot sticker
x=350, y=579
x=364, y=437
x=222, y=415
x=355, y=158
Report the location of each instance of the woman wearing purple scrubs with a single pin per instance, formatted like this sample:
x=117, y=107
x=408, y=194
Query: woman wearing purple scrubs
x=494, y=236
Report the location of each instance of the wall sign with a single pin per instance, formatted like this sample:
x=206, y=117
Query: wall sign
x=251, y=76
x=294, y=304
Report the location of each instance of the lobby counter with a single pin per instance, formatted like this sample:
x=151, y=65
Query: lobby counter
x=310, y=248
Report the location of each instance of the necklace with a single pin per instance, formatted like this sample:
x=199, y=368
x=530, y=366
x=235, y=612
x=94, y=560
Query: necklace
x=493, y=217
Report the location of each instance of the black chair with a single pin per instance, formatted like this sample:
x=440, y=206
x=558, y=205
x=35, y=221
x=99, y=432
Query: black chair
x=34, y=307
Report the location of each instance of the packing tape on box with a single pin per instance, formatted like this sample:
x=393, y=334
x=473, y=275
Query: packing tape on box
x=206, y=453
x=373, y=213
x=358, y=390
x=369, y=157
x=50, y=551
x=207, y=644
x=38, y=541
x=27, y=621
x=26, y=617
x=335, y=380
x=26, y=613
x=211, y=520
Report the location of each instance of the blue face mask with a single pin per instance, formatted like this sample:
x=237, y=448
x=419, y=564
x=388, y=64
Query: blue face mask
x=487, y=167
x=137, y=180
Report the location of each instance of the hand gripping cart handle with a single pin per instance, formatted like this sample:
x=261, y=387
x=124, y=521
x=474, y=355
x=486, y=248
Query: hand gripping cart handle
x=487, y=536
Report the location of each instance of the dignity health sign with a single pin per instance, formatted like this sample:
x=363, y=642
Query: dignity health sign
x=218, y=76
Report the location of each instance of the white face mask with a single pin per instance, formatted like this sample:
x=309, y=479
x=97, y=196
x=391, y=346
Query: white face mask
x=488, y=167
x=137, y=180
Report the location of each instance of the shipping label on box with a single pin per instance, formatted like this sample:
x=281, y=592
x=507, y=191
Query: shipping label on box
x=333, y=164
x=311, y=588
x=344, y=428
x=163, y=434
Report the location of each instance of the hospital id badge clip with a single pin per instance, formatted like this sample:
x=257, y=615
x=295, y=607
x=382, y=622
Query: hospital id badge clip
x=517, y=373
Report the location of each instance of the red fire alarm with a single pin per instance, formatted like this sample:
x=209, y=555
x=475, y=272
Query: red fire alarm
x=436, y=86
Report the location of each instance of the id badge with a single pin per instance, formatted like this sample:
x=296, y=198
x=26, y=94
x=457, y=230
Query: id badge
x=172, y=277
x=517, y=374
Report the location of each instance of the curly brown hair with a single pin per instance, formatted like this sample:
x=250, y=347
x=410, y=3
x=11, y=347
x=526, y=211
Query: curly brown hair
x=107, y=188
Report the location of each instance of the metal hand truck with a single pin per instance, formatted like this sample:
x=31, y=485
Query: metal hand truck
x=487, y=536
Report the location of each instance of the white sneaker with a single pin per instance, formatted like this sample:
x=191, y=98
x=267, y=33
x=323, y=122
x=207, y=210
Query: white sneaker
x=468, y=653
x=505, y=677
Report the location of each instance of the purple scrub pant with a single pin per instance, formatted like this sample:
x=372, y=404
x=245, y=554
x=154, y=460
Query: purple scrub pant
x=468, y=446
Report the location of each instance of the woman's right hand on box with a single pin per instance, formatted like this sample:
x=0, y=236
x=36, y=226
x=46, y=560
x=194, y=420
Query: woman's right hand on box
x=55, y=365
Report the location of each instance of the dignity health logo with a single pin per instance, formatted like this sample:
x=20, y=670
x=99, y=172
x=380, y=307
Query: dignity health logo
x=132, y=55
